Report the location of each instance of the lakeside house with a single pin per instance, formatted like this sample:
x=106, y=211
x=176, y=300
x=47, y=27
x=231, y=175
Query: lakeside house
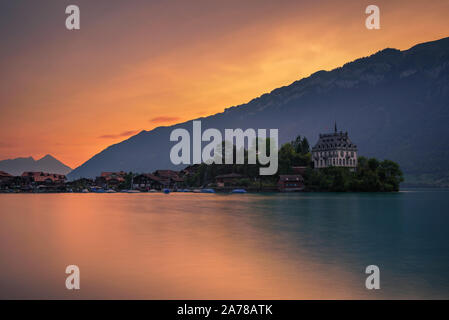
x=110, y=180
x=227, y=179
x=80, y=184
x=170, y=178
x=189, y=170
x=334, y=150
x=148, y=181
x=158, y=180
x=5, y=176
x=45, y=178
x=32, y=181
x=291, y=183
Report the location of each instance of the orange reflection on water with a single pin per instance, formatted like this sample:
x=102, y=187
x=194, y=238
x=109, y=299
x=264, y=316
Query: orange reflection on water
x=156, y=246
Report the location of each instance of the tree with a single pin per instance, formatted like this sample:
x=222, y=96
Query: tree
x=286, y=157
x=373, y=164
x=390, y=174
x=371, y=176
x=305, y=147
x=127, y=183
x=297, y=144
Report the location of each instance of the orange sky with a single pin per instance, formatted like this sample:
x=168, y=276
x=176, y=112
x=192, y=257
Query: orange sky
x=136, y=65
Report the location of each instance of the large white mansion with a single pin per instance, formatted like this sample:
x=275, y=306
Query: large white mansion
x=334, y=150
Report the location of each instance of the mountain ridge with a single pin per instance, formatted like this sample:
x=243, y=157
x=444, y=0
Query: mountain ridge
x=379, y=99
x=47, y=163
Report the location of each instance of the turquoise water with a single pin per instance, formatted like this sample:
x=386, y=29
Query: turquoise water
x=239, y=246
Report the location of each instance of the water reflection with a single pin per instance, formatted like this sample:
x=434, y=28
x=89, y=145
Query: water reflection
x=198, y=246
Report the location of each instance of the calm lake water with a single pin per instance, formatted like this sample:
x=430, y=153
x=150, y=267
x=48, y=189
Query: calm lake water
x=213, y=246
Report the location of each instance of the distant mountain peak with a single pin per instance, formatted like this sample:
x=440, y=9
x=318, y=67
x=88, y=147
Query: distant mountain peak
x=48, y=163
x=48, y=157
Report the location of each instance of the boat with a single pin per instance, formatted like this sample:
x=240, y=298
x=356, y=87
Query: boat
x=196, y=190
x=110, y=191
x=207, y=191
x=152, y=190
x=166, y=191
x=133, y=191
x=238, y=191
x=84, y=191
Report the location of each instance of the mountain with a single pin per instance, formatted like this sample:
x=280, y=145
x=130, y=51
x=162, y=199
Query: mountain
x=394, y=104
x=46, y=164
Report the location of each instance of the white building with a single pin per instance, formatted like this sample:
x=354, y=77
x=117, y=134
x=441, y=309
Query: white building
x=334, y=150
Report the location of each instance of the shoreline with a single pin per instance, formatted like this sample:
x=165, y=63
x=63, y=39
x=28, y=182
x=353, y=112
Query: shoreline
x=217, y=191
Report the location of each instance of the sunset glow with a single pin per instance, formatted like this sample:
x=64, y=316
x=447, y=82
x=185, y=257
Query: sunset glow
x=136, y=66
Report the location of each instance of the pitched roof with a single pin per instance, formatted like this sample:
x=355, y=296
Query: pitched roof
x=334, y=141
x=229, y=175
x=166, y=173
x=4, y=174
x=107, y=174
x=40, y=176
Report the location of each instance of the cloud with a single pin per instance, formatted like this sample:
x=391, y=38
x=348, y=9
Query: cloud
x=120, y=135
x=164, y=119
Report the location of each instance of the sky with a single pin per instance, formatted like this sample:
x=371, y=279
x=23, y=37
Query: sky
x=138, y=64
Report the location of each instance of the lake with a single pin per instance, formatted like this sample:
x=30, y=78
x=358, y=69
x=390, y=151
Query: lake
x=225, y=246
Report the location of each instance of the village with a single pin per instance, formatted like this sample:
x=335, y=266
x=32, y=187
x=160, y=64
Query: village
x=158, y=181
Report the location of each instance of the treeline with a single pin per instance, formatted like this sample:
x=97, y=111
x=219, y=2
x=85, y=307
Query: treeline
x=205, y=174
x=293, y=154
x=371, y=175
